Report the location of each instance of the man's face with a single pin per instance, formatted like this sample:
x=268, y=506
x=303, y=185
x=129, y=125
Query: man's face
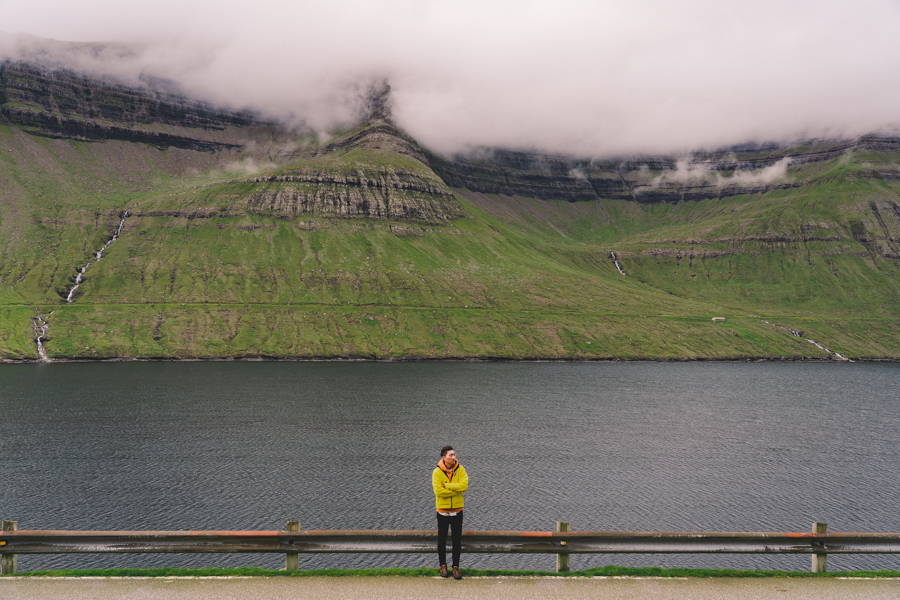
x=450, y=458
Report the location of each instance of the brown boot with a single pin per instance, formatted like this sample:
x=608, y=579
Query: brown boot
x=444, y=572
x=456, y=573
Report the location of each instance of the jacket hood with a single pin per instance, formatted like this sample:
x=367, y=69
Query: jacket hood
x=444, y=468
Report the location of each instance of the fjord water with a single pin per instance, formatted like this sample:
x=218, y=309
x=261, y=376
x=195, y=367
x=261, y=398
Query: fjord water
x=605, y=446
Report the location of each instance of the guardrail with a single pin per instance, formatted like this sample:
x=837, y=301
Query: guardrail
x=292, y=542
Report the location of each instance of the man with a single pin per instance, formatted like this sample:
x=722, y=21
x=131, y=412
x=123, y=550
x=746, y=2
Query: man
x=449, y=481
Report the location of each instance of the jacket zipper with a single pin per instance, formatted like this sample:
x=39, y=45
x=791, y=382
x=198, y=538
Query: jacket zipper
x=450, y=480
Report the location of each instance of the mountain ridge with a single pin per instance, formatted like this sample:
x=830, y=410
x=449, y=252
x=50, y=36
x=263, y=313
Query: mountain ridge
x=64, y=104
x=221, y=235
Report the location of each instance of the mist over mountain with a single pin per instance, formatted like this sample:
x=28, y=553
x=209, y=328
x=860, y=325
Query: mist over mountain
x=590, y=79
x=141, y=217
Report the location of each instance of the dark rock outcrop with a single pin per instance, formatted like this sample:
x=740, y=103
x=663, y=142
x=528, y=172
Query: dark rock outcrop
x=380, y=136
x=391, y=198
x=646, y=179
x=534, y=175
x=63, y=104
x=55, y=102
x=376, y=103
x=388, y=194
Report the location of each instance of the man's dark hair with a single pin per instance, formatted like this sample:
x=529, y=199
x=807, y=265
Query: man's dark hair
x=445, y=450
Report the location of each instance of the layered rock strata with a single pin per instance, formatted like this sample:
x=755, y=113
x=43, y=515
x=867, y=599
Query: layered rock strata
x=63, y=104
x=56, y=102
x=390, y=194
x=646, y=179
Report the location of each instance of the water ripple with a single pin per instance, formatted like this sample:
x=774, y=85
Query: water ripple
x=637, y=446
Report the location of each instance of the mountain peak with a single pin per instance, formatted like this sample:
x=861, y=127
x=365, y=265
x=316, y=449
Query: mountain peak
x=376, y=105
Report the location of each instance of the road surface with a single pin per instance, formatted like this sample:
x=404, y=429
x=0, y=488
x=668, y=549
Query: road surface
x=423, y=588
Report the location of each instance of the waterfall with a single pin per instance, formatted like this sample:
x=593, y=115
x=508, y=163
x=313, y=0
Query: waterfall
x=612, y=255
x=115, y=236
x=80, y=278
x=799, y=334
x=78, y=281
x=836, y=354
x=40, y=326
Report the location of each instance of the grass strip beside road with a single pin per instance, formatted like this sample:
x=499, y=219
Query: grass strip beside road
x=607, y=571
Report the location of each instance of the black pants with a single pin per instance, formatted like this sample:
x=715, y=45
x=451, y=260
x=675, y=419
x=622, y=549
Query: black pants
x=455, y=525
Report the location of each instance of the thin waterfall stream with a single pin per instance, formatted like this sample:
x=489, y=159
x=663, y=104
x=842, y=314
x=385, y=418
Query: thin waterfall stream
x=39, y=326
x=612, y=255
x=80, y=277
x=799, y=334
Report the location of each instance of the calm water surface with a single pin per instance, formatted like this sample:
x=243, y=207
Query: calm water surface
x=630, y=446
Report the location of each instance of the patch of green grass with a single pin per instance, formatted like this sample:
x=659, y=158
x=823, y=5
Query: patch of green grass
x=198, y=272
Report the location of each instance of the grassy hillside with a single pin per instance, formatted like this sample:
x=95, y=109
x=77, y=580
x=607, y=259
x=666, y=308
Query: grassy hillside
x=356, y=249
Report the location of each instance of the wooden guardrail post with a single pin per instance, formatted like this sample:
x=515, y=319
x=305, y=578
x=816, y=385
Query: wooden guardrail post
x=562, y=559
x=818, y=560
x=292, y=559
x=9, y=563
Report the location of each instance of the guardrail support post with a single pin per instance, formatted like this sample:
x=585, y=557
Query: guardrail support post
x=818, y=560
x=562, y=559
x=292, y=559
x=9, y=563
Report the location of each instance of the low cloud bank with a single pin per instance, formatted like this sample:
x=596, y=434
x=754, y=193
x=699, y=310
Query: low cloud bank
x=688, y=171
x=575, y=77
x=766, y=175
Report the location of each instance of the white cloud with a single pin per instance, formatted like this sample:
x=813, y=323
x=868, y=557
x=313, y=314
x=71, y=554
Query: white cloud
x=688, y=171
x=766, y=175
x=579, y=77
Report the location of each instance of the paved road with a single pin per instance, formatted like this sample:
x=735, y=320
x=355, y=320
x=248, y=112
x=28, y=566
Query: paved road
x=421, y=588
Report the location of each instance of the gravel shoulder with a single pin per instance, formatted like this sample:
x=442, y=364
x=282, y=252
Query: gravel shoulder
x=420, y=588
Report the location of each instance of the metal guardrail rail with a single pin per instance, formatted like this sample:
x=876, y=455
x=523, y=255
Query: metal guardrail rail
x=292, y=542
x=423, y=541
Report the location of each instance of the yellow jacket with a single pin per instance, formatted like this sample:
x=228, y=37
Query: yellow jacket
x=449, y=487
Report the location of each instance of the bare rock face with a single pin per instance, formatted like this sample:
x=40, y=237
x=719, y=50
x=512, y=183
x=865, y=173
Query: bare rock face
x=376, y=105
x=534, y=175
x=388, y=178
x=388, y=194
x=63, y=104
x=55, y=102
x=380, y=137
x=646, y=179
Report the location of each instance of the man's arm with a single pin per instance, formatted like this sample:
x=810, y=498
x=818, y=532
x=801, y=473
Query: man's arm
x=461, y=485
x=438, y=484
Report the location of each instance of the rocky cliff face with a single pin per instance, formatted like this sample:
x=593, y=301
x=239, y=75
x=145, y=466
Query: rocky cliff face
x=646, y=179
x=383, y=194
x=63, y=104
x=534, y=175
x=60, y=103
x=375, y=171
x=385, y=176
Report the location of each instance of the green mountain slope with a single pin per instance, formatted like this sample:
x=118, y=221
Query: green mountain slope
x=270, y=244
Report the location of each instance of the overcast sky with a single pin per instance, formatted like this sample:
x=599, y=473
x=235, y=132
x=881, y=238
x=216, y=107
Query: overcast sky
x=590, y=78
